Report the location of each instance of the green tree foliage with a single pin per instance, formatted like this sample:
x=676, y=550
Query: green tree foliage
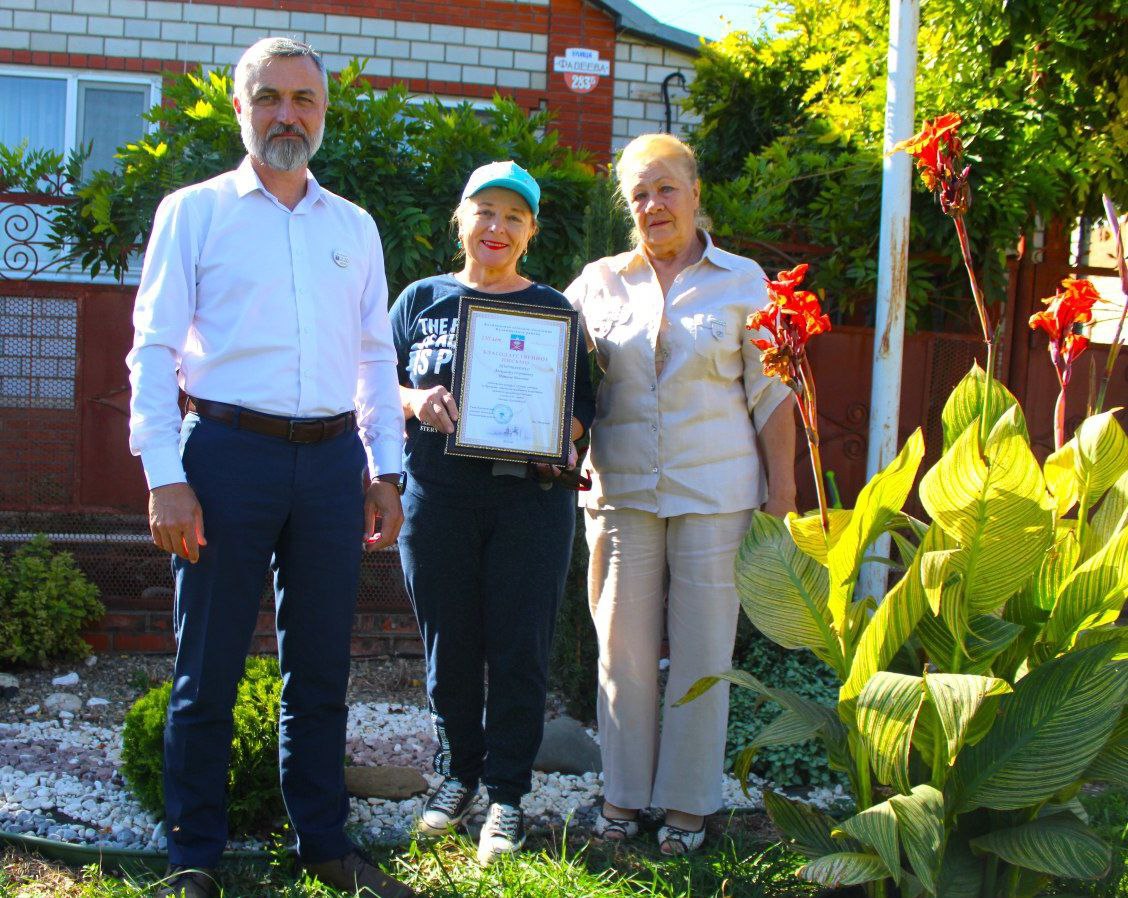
x=404, y=161
x=45, y=601
x=254, y=796
x=1042, y=89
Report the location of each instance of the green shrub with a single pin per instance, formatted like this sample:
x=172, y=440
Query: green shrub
x=44, y=602
x=254, y=796
x=417, y=156
x=785, y=766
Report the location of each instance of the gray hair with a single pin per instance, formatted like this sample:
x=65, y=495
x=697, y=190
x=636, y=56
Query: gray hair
x=272, y=48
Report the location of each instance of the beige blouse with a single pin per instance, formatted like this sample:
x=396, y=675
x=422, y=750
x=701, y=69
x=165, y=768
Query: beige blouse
x=679, y=405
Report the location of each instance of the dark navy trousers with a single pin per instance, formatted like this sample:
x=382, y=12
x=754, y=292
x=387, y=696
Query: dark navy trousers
x=298, y=509
x=485, y=579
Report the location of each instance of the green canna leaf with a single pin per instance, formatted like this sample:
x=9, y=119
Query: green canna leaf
x=1059, y=846
x=961, y=872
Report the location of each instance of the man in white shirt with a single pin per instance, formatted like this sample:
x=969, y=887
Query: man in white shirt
x=263, y=298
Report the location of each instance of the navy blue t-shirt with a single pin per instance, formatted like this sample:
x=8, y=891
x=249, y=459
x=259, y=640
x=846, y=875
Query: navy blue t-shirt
x=424, y=327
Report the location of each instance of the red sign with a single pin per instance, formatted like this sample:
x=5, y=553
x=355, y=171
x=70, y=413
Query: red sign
x=581, y=84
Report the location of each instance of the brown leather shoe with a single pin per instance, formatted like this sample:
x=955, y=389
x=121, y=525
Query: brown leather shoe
x=356, y=873
x=188, y=882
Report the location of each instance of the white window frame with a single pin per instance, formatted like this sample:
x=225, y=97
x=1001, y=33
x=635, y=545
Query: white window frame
x=72, y=78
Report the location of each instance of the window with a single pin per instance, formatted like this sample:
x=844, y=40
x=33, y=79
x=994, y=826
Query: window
x=58, y=110
x=37, y=352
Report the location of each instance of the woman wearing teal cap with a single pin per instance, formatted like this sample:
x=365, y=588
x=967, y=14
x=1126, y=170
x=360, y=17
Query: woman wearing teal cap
x=485, y=553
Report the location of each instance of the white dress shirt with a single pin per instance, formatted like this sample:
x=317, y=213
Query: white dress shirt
x=247, y=302
x=683, y=392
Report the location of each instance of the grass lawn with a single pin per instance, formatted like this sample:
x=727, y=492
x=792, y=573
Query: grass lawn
x=740, y=863
x=735, y=866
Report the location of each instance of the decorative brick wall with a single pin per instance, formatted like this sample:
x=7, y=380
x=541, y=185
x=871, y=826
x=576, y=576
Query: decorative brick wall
x=135, y=582
x=639, y=71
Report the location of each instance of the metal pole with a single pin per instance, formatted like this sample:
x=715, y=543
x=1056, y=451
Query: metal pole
x=893, y=261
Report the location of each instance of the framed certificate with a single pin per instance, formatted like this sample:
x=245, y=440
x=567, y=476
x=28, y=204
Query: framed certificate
x=513, y=381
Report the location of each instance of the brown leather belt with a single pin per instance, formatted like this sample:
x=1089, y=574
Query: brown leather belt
x=295, y=430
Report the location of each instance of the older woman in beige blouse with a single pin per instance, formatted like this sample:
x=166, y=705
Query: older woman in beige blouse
x=689, y=436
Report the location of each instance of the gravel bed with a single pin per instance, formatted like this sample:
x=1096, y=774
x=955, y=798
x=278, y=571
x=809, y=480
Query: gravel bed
x=60, y=776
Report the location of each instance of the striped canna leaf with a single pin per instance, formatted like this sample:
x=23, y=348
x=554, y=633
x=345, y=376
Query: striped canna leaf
x=783, y=591
x=1059, y=846
x=1088, y=464
x=1048, y=732
x=986, y=637
x=957, y=698
x=887, y=710
x=891, y=624
x=992, y=501
x=966, y=402
x=876, y=828
x=878, y=504
x=920, y=818
x=1111, y=765
x=1110, y=517
x=844, y=868
x=1091, y=596
x=808, y=533
x=805, y=829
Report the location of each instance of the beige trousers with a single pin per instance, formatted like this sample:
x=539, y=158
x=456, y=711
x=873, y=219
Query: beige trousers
x=636, y=557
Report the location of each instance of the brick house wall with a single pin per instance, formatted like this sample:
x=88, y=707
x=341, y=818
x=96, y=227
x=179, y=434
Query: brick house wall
x=462, y=49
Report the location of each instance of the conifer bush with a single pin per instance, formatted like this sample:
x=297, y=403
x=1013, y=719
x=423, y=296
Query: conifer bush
x=254, y=798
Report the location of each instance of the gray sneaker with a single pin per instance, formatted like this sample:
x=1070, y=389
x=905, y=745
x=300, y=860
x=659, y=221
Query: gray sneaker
x=187, y=882
x=445, y=808
x=502, y=833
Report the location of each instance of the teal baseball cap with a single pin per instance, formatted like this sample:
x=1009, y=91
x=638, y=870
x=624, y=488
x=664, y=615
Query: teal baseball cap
x=506, y=174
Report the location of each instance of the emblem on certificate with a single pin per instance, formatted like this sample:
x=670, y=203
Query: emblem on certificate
x=513, y=381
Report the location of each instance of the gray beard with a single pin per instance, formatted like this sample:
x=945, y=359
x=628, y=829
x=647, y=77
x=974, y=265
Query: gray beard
x=282, y=155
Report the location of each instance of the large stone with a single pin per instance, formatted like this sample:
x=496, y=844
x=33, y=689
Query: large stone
x=395, y=783
x=9, y=686
x=62, y=701
x=70, y=679
x=567, y=748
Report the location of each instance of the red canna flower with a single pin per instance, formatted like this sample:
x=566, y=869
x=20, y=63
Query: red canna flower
x=1065, y=312
x=938, y=150
x=791, y=318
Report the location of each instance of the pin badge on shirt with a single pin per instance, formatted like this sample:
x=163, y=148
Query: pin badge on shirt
x=341, y=259
x=717, y=326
